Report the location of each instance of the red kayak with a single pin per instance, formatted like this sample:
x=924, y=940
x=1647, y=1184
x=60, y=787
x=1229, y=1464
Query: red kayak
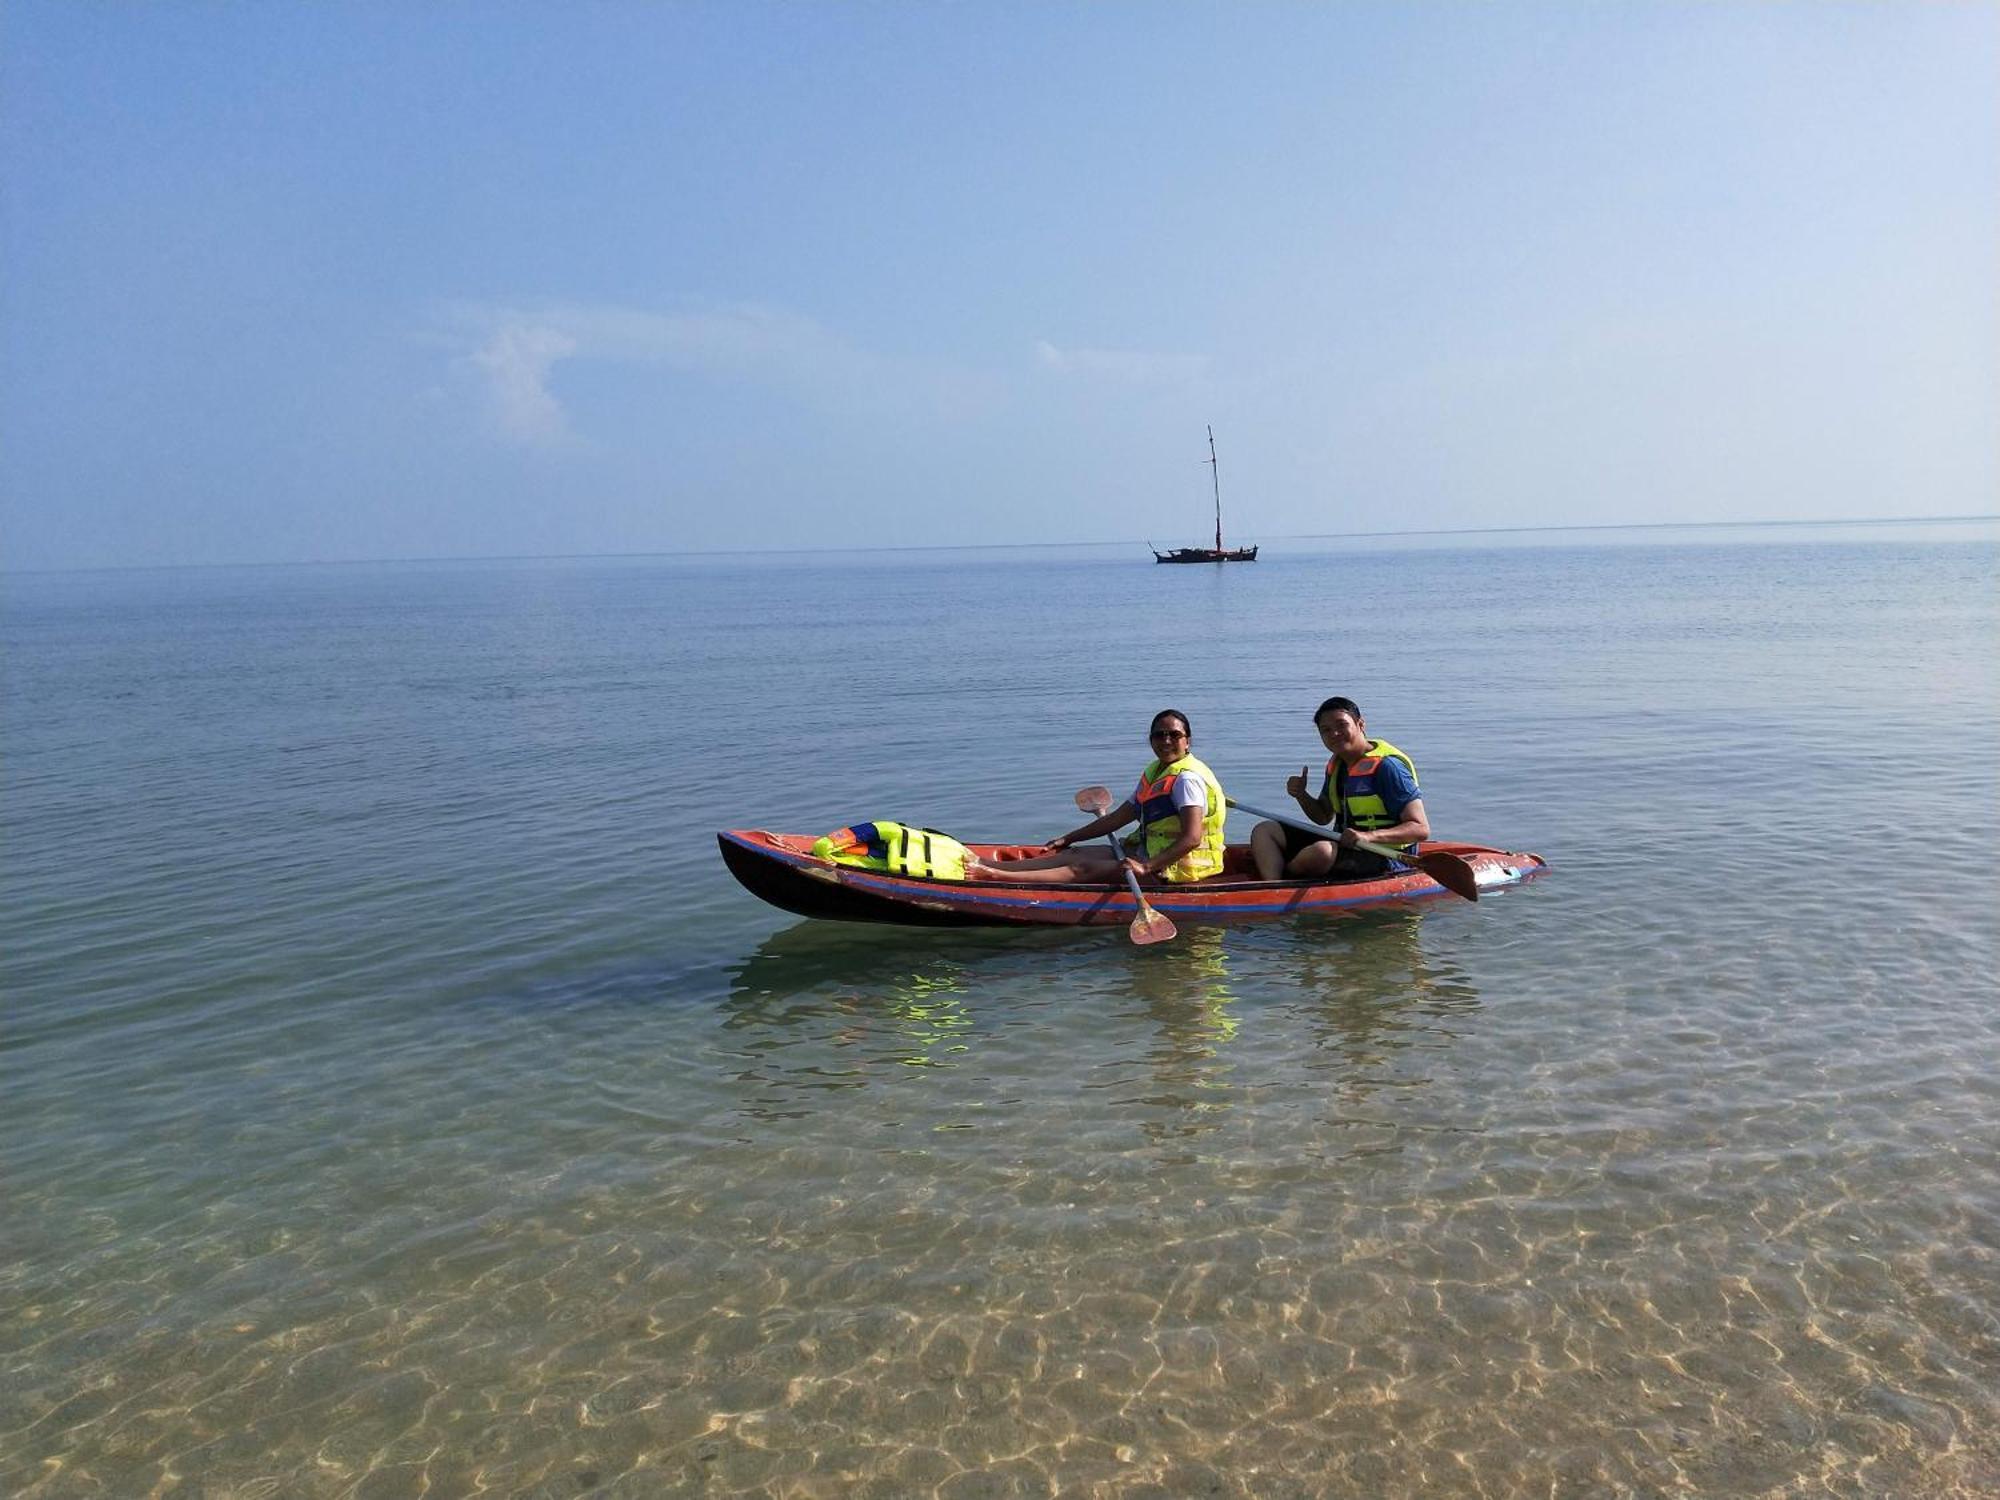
x=780, y=868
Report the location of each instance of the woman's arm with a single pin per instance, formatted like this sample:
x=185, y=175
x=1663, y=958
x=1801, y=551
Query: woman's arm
x=1191, y=831
x=1111, y=822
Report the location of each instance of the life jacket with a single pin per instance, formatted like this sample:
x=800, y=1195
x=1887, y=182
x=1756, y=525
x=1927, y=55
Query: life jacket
x=896, y=848
x=1359, y=805
x=1160, y=820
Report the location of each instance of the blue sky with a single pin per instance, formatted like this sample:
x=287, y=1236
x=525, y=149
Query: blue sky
x=336, y=281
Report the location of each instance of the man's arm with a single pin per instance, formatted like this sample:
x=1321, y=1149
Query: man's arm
x=1398, y=791
x=1414, y=828
x=1320, y=808
x=1323, y=807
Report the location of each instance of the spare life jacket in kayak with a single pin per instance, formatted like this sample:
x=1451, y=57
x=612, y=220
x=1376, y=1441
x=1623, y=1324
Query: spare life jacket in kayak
x=896, y=848
x=1358, y=803
x=1160, y=820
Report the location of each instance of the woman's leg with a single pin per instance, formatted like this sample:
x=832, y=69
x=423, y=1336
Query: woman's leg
x=1055, y=861
x=1069, y=867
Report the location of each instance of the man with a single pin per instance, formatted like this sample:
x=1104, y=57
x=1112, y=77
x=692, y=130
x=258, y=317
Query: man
x=1370, y=793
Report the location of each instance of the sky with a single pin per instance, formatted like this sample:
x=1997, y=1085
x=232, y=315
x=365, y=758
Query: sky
x=341, y=281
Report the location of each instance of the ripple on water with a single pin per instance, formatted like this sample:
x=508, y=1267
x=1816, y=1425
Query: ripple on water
x=408, y=1110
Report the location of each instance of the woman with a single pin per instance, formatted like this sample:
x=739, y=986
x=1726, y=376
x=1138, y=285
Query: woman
x=1180, y=809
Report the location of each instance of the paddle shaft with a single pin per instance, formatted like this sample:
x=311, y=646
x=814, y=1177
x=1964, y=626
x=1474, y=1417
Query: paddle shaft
x=1318, y=831
x=1131, y=880
x=1148, y=926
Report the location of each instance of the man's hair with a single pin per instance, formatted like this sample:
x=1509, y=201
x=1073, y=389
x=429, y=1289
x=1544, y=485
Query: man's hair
x=1342, y=705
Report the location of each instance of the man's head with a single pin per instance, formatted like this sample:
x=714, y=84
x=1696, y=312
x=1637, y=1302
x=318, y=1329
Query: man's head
x=1341, y=728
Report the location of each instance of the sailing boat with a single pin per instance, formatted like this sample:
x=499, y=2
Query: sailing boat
x=1218, y=553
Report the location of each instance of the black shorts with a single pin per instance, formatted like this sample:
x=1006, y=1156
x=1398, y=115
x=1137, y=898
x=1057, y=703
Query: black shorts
x=1358, y=863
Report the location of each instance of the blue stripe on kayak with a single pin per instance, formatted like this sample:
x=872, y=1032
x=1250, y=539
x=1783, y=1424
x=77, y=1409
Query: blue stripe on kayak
x=1088, y=899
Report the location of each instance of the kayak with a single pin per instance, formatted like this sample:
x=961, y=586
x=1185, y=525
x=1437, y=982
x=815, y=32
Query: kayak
x=781, y=869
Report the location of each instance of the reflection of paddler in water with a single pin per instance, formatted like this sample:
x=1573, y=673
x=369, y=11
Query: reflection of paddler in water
x=1376, y=994
x=1178, y=805
x=1186, y=993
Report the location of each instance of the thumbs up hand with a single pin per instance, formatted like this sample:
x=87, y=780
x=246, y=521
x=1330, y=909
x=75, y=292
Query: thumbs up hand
x=1296, y=785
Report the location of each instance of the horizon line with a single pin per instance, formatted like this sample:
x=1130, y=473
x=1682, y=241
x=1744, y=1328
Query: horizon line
x=1293, y=536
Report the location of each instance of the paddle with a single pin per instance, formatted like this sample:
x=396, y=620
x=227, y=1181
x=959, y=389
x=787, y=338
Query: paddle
x=1452, y=871
x=1148, y=926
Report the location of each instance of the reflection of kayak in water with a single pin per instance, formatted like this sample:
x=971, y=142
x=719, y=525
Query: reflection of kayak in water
x=781, y=868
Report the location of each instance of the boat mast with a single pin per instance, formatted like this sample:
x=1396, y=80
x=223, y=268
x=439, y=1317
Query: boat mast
x=1215, y=473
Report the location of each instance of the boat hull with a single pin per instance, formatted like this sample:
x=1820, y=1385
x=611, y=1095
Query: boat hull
x=780, y=869
x=1207, y=555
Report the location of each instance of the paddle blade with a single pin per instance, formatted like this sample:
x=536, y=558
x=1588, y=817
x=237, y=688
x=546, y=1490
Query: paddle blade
x=1152, y=926
x=1094, y=799
x=1453, y=873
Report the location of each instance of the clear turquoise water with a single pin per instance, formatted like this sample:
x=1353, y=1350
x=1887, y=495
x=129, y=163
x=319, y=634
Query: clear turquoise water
x=400, y=1098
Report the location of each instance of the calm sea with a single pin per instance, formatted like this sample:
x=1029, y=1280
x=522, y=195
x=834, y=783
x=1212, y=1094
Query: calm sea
x=400, y=1099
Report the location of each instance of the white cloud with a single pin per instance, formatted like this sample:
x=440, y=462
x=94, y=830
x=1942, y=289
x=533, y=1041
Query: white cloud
x=513, y=351
x=1131, y=366
x=515, y=363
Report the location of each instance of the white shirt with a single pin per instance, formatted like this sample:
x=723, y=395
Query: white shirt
x=1189, y=790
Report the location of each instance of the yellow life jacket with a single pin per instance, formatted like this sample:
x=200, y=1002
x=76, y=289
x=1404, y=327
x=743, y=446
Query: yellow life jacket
x=896, y=848
x=1160, y=820
x=1356, y=802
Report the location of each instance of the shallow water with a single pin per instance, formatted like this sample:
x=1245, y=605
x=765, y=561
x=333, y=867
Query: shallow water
x=401, y=1099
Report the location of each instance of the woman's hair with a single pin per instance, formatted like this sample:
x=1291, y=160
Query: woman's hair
x=1339, y=705
x=1173, y=713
